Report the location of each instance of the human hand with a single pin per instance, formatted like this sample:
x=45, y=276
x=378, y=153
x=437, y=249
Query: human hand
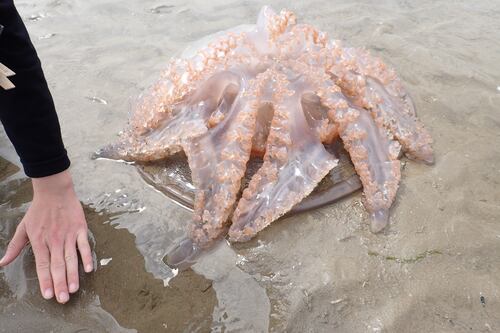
x=54, y=225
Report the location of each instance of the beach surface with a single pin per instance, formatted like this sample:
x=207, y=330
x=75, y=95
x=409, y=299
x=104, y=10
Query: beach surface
x=435, y=269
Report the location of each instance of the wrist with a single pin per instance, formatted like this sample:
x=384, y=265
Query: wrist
x=57, y=184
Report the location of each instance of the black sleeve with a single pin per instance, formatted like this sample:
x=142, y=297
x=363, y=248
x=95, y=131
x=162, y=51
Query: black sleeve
x=27, y=111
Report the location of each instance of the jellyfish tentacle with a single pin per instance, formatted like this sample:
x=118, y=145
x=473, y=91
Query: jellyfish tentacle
x=218, y=161
x=186, y=120
x=404, y=125
x=372, y=85
x=294, y=163
x=373, y=153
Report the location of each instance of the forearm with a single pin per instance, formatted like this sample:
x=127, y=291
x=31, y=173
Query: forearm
x=27, y=111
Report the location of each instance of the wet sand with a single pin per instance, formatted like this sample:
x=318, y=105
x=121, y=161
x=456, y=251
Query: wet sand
x=437, y=267
x=121, y=286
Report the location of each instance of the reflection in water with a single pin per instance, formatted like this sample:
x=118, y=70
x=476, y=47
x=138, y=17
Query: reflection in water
x=243, y=303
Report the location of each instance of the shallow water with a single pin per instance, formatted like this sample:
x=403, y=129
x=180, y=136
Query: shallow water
x=437, y=267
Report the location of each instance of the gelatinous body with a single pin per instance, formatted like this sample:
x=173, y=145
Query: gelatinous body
x=281, y=91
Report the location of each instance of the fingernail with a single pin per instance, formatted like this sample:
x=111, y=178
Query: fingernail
x=48, y=294
x=73, y=287
x=88, y=268
x=63, y=297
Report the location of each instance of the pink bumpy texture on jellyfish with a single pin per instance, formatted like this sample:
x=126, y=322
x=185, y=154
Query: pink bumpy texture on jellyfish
x=279, y=90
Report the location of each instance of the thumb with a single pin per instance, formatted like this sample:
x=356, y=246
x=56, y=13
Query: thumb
x=15, y=246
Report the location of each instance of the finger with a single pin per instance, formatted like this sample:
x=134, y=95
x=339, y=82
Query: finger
x=42, y=259
x=84, y=248
x=16, y=245
x=58, y=272
x=71, y=260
